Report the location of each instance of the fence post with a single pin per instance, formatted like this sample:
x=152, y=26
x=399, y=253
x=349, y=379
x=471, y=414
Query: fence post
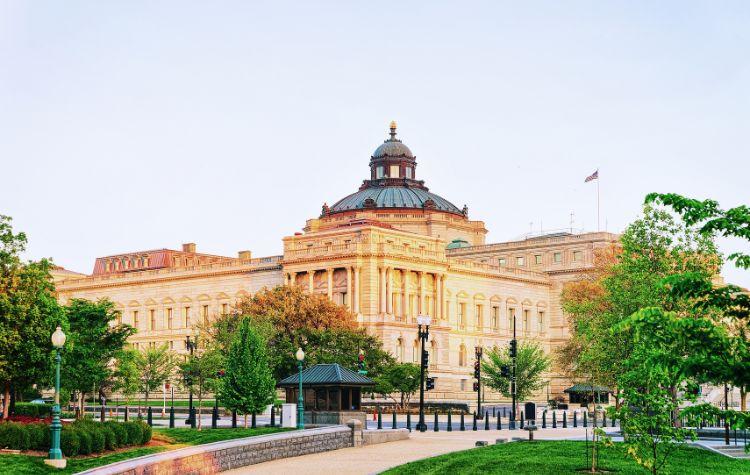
x=380, y=418
x=565, y=419
x=463, y=426
x=544, y=419
x=474, y=426
x=171, y=417
x=575, y=419
x=450, y=426
x=393, y=422
x=487, y=420
x=499, y=422
x=437, y=428
x=150, y=417
x=554, y=420
x=408, y=421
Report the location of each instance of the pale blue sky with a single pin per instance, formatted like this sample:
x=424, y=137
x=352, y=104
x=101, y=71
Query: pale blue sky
x=137, y=125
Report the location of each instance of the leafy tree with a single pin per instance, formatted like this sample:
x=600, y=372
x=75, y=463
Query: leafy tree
x=93, y=342
x=625, y=280
x=29, y=314
x=401, y=379
x=248, y=384
x=668, y=350
x=200, y=374
x=531, y=364
x=288, y=318
x=155, y=366
x=126, y=375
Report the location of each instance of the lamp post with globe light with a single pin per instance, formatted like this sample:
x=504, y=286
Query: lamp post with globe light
x=300, y=355
x=55, y=454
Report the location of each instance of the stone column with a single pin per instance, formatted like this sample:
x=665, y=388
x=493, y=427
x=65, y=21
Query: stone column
x=389, y=291
x=329, y=271
x=293, y=278
x=420, y=307
x=439, y=296
x=349, y=287
x=404, y=297
x=355, y=292
x=311, y=280
x=381, y=289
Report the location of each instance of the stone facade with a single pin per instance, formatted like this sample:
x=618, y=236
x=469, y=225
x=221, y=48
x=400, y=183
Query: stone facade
x=389, y=252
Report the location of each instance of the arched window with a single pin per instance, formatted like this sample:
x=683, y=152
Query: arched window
x=462, y=355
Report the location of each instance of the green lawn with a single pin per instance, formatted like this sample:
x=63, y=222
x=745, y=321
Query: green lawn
x=25, y=464
x=558, y=457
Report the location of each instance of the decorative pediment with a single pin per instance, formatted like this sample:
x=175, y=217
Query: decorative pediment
x=167, y=300
x=203, y=298
x=526, y=303
x=222, y=296
x=479, y=296
x=134, y=303
x=462, y=295
x=151, y=301
x=185, y=299
x=511, y=301
x=541, y=305
x=495, y=298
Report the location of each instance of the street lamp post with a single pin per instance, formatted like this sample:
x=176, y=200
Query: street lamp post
x=513, y=354
x=300, y=355
x=422, y=321
x=190, y=345
x=55, y=454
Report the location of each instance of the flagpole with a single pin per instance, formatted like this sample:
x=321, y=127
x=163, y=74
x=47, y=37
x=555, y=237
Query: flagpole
x=598, y=222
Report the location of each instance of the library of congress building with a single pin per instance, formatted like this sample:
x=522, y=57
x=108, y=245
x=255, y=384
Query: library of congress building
x=390, y=251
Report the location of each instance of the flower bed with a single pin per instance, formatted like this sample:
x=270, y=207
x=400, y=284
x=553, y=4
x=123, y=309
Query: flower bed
x=82, y=437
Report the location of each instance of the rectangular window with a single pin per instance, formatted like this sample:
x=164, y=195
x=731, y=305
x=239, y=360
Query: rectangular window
x=520, y=261
x=378, y=172
x=135, y=319
x=501, y=262
x=409, y=173
x=171, y=345
x=557, y=257
x=577, y=256
x=463, y=385
x=186, y=316
x=541, y=322
x=224, y=309
x=526, y=321
x=152, y=319
x=479, y=309
x=394, y=173
x=538, y=259
x=461, y=312
x=495, y=317
x=204, y=313
x=169, y=318
x=511, y=314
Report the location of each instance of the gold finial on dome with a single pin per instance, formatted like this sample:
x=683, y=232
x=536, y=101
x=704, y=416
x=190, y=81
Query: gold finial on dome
x=393, y=124
x=393, y=130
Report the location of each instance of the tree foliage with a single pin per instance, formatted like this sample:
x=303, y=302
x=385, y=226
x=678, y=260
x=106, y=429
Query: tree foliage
x=91, y=346
x=29, y=314
x=155, y=366
x=248, y=384
x=531, y=364
x=199, y=373
x=398, y=379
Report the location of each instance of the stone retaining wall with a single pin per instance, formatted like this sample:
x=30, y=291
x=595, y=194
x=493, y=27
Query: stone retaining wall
x=380, y=436
x=221, y=456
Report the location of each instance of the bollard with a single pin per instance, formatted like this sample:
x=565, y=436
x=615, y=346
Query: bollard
x=273, y=416
x=521, y=420
x=171, y=417
x=554, y=420
x=499, y=422
x=585, y=418
x=192, y=418
x=234, y=418
x=565, y=419
x=493, y=412
x=380, y=418
x=487, y=420
x=150, y=417
x=450, y=426
x=544, y=419
x=474, y=426
x=393, y=422
x=126, y=417
x=503, y=411
x=463, y=426
x=214, y=417
x=408, y=421
x=436, y=427
x=575, y=419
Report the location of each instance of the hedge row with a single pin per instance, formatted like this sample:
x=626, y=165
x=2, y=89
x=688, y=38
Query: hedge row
x=32, y=410
x=82, y=437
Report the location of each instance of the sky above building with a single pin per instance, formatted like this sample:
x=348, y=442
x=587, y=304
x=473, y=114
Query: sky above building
x=133, y=125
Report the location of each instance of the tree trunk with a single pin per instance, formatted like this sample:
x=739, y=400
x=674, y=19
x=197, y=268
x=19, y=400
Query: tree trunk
x=245, y=421
x=743, y=399
x=200, y=408
x=81, y=399
x=6, y=401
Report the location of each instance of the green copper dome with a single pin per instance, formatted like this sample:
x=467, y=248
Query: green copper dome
x=394, y=197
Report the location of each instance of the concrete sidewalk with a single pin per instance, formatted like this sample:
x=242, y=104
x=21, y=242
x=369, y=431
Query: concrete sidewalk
x=376, y=458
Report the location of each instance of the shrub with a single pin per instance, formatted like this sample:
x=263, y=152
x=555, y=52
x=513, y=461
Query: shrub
x=70, y=442
x=14, y=436
x=147, y=432
x=85, y=438
x=39, y=436
x=110, y=438
x=98, y=440
x=32, y=410
x=135, y=432
x=121, y=434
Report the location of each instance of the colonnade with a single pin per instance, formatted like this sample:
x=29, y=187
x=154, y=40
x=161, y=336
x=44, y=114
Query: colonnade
x=386, y=292
x=353, y=278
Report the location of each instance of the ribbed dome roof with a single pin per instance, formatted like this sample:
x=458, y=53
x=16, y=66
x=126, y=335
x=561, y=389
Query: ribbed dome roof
x=392, y=148
x=394, y=197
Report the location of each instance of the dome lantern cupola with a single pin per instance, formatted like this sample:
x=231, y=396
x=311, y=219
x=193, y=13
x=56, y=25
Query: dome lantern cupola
x=392, y=159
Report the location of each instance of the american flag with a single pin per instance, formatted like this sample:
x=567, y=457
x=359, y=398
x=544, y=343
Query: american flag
x=593, y=176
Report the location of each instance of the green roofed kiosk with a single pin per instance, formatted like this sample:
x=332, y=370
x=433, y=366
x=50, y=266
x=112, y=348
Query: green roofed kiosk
x=332, y=393
x=584, y=394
